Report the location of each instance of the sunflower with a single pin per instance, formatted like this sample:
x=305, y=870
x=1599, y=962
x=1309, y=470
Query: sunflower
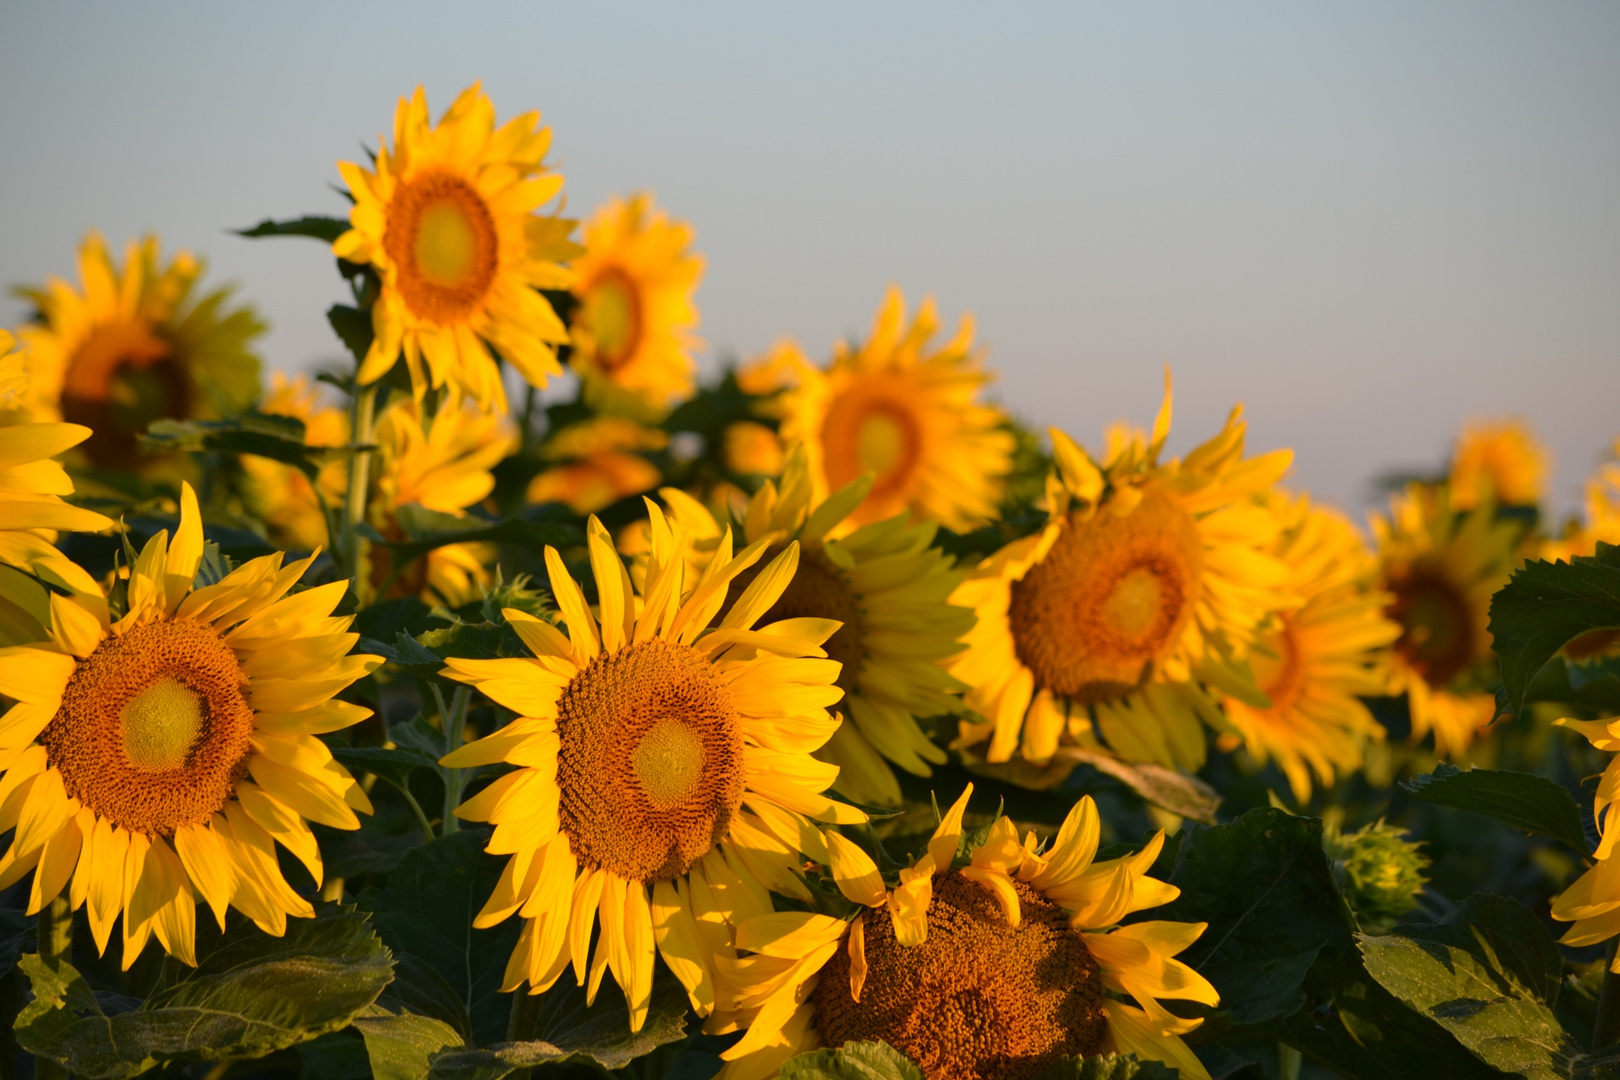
x=1593, y=902
x=634, y=284
x=160, y=757
x=598, y=463
x=1498, y=460
x=664, y=774
x=1149, y=580
x=448, y=218
x=908, y=415
x=441, y=463
x=1602, y=513
x=133, y=347
x=1000, y=963
x=1440, y=567
x=1316, y=662
x=889, y=588
x=31, y=510
x=281, y=495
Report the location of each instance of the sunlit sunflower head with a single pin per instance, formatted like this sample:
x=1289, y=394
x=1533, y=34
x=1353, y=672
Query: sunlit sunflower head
x=441, y=463
x=994, y=962
x=598, y=462
x=1500, y=461
x=160, y=756
x=634, y=287
x=1440, y=567
x=909, y=413
x=1593, y=902
x=889, y=589
x=664, y=775
x=449, y=218
x=13, y=371
x=1133, y=608
x=286, y=500
x=1316, y=662
x=31, y=484
x=131, y=345
x=1601, y=522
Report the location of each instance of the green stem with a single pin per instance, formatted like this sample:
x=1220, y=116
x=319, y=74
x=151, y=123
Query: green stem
x=55, y=941
x=454, y=719
x=362, y=431
x=1606, y=1028
x=1289, y=1061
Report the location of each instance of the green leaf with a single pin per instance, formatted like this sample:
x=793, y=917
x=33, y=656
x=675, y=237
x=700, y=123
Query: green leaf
x=1489, y=973
x=402, y=1047
x=426, y=912
x=855, y=1061
x=1110, y=1067
x=249, y=995
x=566, y=1028
x=1360, y=1031
x=279, y=438
x=16, y=934
x=1544, y=607
x=1525, y=801
x=314, y=226
x=1266, y=889
x=353, y=328
x=1168, y=789
x=426, y=530
x=214, y=568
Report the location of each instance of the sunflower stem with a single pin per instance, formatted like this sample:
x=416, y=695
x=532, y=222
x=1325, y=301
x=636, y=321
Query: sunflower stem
x=55, y=942
x=362, y=424
x=455, y=723
x=1606, y=1028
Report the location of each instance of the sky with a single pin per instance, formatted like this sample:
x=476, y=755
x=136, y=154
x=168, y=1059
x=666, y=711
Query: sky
x=1366, y=221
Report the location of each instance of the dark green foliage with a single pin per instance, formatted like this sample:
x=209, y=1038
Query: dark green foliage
x=1490, y=974
x=313, y=226
x=1546, y=606
x=1525, y=801
x=426, y=912
x=852, y=1061
x=250, y=994
x=1264, y=886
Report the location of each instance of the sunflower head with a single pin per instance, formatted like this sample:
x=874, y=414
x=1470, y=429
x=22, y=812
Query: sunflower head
x=909, y=413
x=597, y=463
x=1150, y=581
x=1500, y=461
x=13, y=371
x=664, y=776
x=441, y=463
x=989, y=960
x=1440, y=568
x=291, y=505
x=1316, y=662
x=131, y=346
x=449, y=218
x=160, y=757
x=1380, y=871
x=634, y=286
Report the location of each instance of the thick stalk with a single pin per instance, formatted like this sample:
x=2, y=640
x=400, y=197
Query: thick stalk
x=1606, y=1028
x=454, y=719
x=362, y=427
x=55, y=940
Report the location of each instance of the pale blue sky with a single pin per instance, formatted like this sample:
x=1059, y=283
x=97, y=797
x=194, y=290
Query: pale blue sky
x=1367, y=221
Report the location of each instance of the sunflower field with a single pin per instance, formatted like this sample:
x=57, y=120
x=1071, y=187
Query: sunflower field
x=510, y=702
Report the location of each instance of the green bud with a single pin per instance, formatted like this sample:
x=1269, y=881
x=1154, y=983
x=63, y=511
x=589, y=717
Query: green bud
x=1380, y=871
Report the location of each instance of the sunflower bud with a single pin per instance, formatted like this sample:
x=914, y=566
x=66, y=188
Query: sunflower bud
x=1380, y=871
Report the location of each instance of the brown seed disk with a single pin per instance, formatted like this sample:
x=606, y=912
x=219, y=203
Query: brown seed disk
x=980, y=999
x=650, y=765
x=1113, y=595
x=1437, y=624
x=431, y=296
x=106, y=747
x=819, y=590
